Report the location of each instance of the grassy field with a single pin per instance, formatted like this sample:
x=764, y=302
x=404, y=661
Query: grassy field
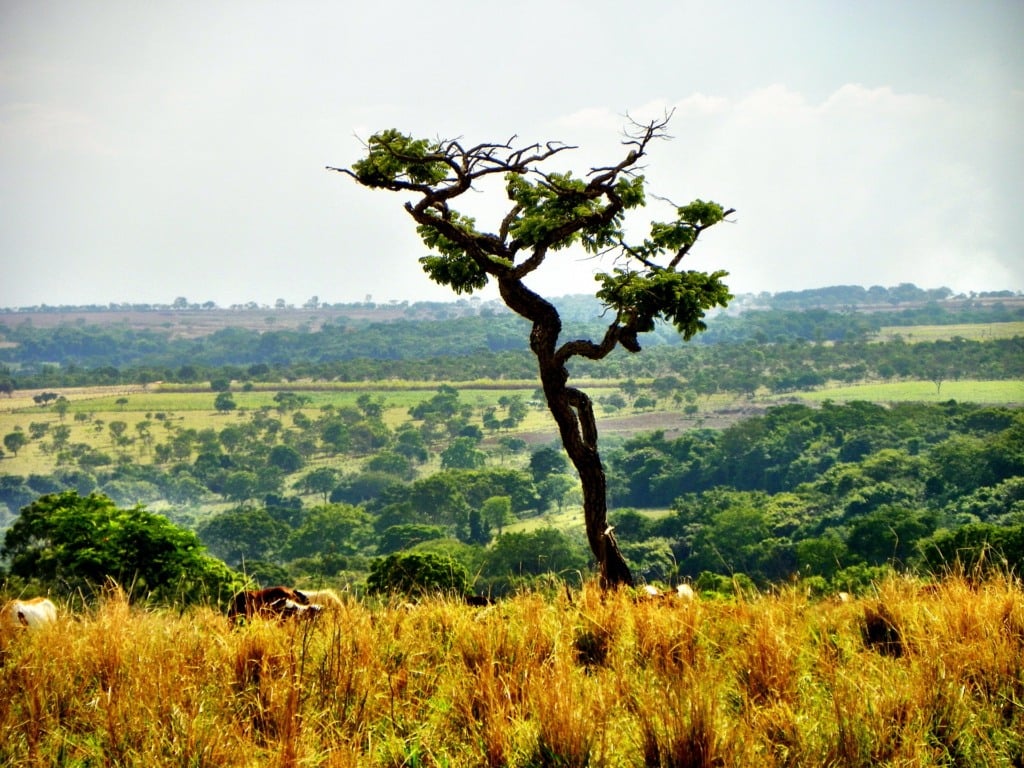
x=904, y=676
x=91, y=411
x=991, y=392
x=970, y=331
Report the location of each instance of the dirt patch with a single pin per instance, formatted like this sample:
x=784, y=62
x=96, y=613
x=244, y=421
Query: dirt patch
x=673, y=424
x=22, y=398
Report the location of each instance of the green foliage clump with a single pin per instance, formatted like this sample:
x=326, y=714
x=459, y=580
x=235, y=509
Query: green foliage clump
x=70, y=543
x=416, y=574
x=393, y=155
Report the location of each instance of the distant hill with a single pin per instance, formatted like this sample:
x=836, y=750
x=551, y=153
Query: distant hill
x=184, y=335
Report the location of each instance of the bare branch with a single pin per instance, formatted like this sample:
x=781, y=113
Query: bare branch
x=588, y=349
x=633, y=253
x=662, y=199
x=507, y=221
x=644, y=133
x=697, y=232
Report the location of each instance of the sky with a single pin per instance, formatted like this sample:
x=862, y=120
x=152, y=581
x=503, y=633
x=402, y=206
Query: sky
x=151, y=151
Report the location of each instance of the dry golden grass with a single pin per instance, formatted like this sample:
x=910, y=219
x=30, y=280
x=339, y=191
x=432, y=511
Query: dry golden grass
x=909, y=677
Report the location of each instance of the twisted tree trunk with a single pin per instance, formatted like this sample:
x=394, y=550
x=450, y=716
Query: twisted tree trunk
x=574, y=414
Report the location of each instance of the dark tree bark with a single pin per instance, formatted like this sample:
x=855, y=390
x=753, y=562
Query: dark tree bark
x=577, y=427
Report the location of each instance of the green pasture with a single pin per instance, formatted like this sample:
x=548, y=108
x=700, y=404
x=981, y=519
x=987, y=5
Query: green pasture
x=990, y=392
x=969, y=331
x=88, y=416
x=569, y=519
x=178, y=401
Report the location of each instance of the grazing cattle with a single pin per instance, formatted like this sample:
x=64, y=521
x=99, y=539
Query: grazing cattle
x=32, y=614
x=274, y=602
x=326, y=599
x=292, y=610
x=683, y=592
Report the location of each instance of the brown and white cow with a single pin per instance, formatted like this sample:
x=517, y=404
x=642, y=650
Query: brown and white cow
x=272, y=602
x=683, y=592
x=34, y=613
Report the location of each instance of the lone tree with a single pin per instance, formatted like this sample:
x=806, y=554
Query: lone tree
x=548, y=212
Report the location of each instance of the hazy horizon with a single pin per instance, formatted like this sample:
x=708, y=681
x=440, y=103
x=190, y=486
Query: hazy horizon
x=152, y=151
x=452, y=299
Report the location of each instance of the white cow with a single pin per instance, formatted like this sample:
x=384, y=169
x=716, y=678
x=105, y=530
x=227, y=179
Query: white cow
x=33, y=614
x=685, y=592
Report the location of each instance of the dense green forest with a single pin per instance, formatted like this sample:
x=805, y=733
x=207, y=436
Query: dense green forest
x=288, y=491
x=829, y=491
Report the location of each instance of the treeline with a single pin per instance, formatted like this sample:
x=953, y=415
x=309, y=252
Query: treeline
x=93, y=353
x=856, y=295
x=875, y=296
x=743, y=368
x=817, y=324
x=467, y=349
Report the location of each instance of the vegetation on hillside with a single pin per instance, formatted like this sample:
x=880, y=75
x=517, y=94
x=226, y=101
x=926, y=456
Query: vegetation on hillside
x=297, y=480
x=827, y=494
x=492, y=342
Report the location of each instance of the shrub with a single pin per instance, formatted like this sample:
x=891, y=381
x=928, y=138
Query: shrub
x=66, y=541
x=416, y=574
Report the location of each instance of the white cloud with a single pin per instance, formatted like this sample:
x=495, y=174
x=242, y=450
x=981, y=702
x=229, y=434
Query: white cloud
x=867, y=185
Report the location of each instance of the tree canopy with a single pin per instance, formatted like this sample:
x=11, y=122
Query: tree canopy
x=75, y=543
x=548, y=212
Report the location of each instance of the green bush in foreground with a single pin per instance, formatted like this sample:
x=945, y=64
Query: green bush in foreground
x=67, y=543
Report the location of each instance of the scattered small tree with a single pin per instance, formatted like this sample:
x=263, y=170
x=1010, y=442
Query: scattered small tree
x=285, y=458
x=321, y=480
x=44, y=398
x=61, y=406
x=462, y=453
x=224, y=402
x=549, y=212
x=117, y=429
x=497, y=512
x=15, y=441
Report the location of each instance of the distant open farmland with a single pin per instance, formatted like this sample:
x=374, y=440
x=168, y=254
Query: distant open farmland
x=992, y=392
x=194, y=323
x=970, y=331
